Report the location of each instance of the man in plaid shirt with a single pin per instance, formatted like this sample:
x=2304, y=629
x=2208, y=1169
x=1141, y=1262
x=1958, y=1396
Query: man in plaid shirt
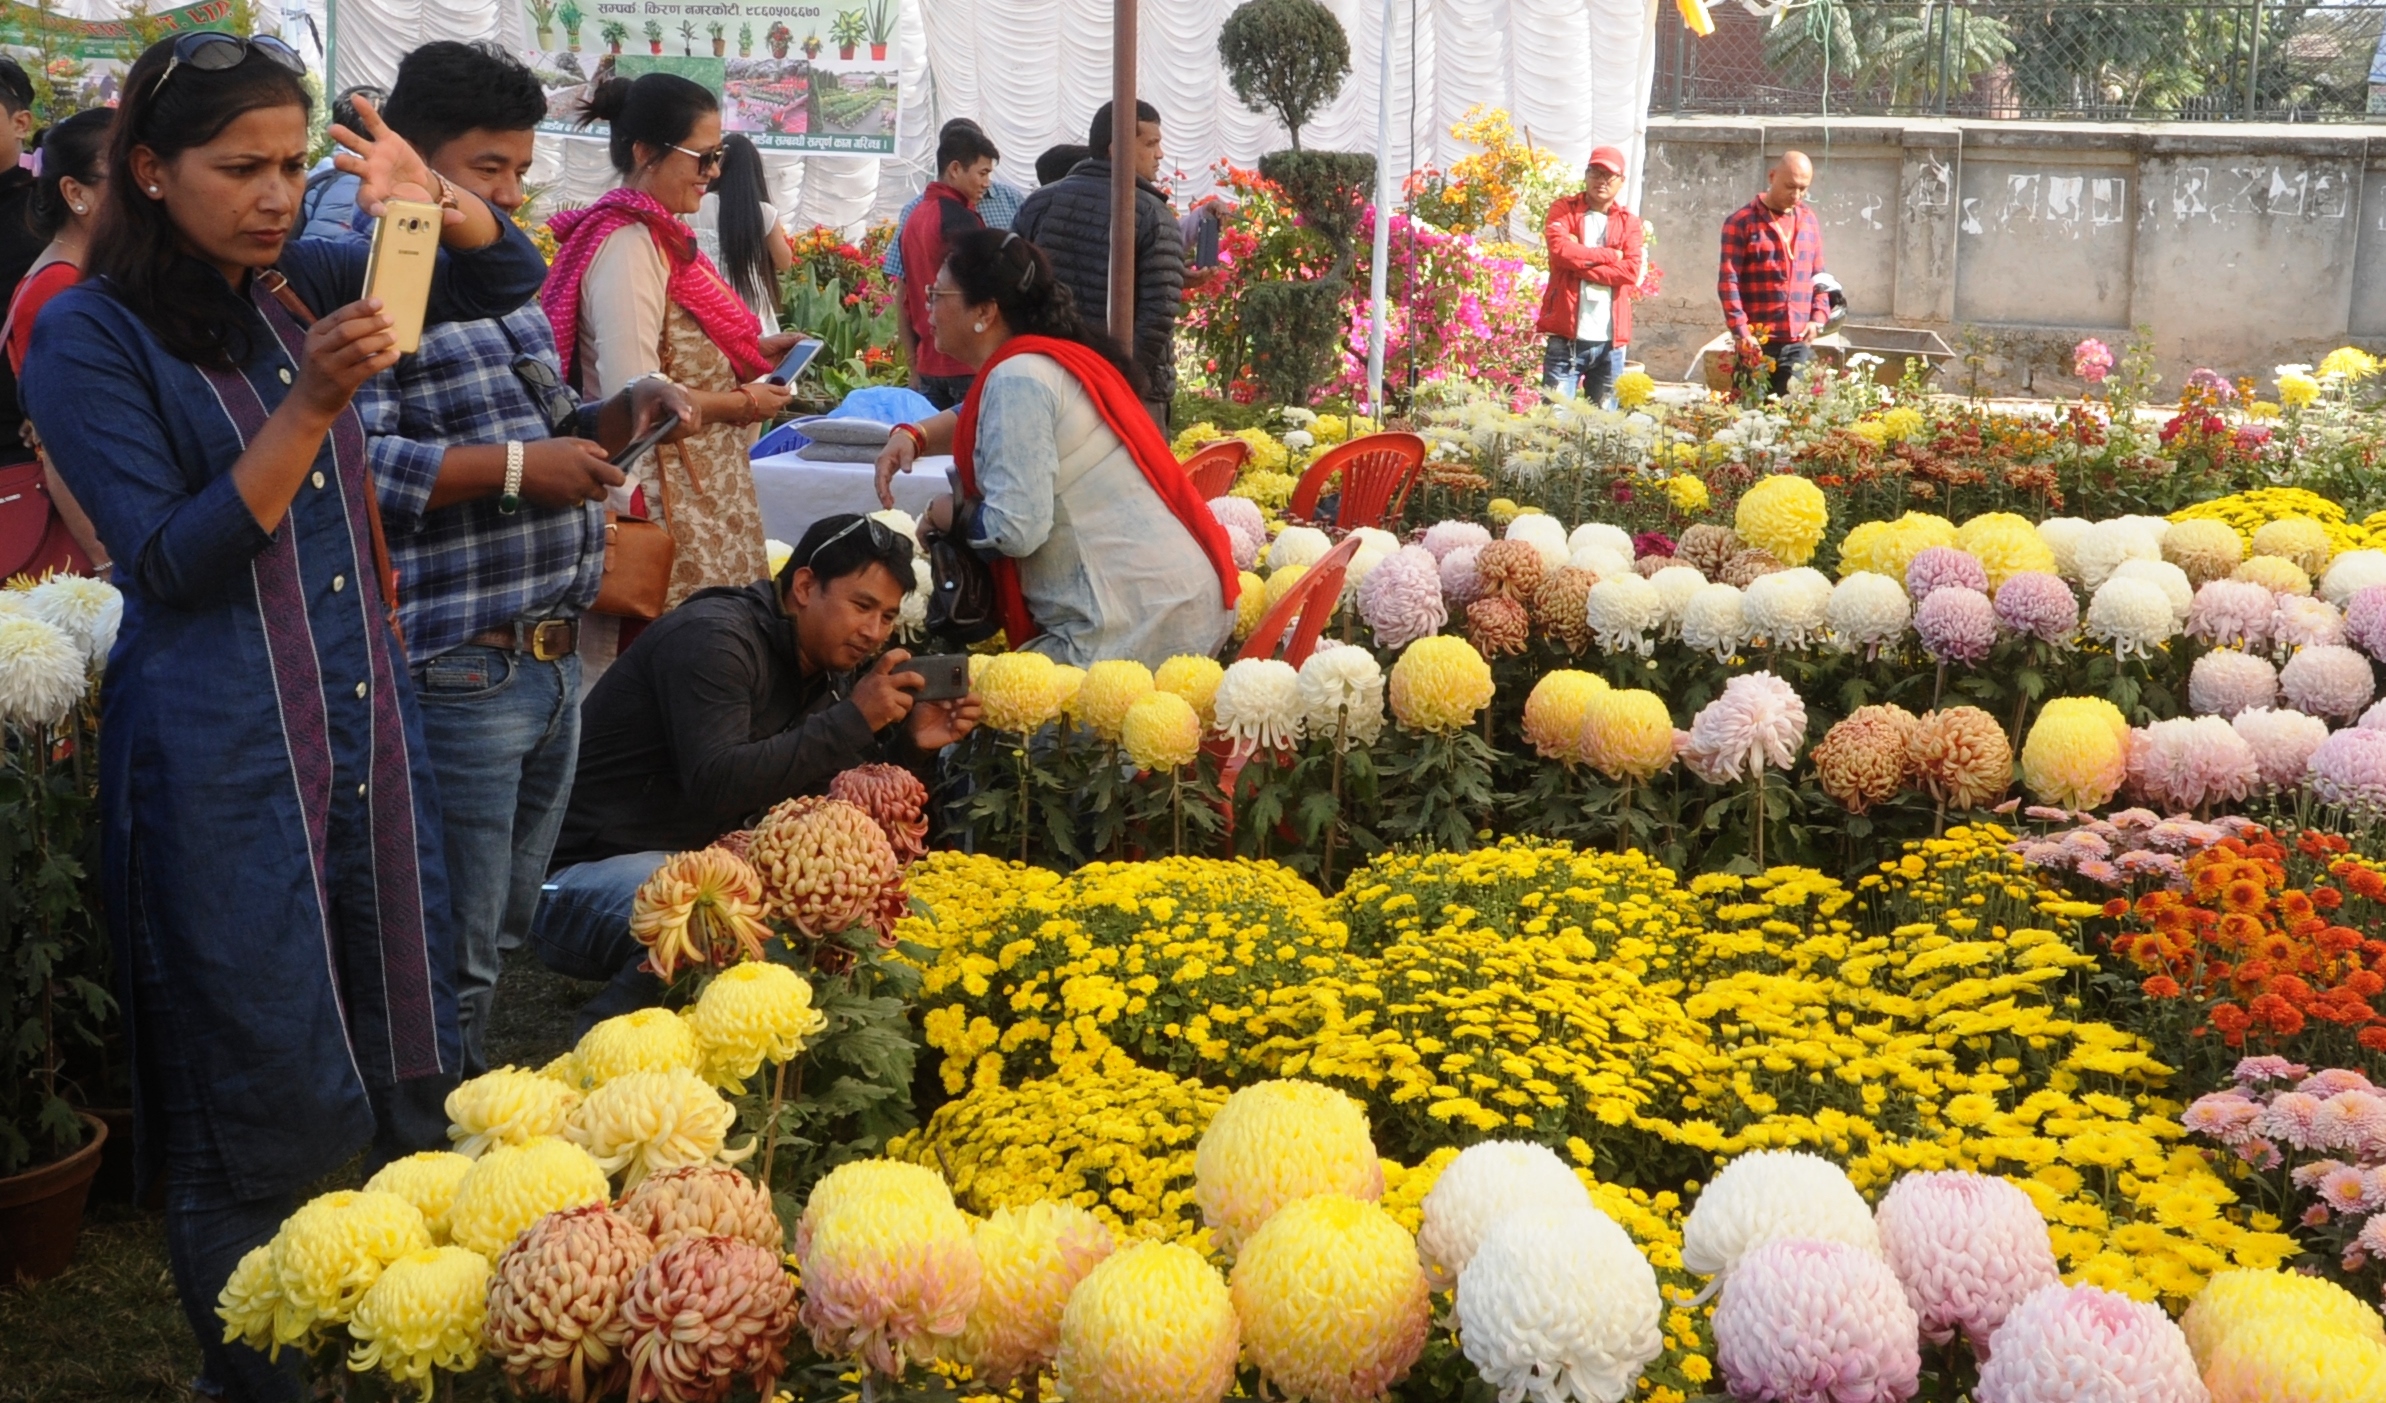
x=491, y=479
x=1772, y=249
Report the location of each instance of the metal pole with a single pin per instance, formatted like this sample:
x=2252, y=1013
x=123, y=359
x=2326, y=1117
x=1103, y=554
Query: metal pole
x=1122, y=173
x=1378, y=325
x=2253, y=65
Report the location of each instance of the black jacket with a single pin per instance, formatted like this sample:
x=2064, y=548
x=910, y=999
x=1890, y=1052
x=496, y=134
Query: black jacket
x=1070, y=220
x=706, y=722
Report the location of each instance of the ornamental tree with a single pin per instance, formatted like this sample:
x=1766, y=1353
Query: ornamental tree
x=1286, y=57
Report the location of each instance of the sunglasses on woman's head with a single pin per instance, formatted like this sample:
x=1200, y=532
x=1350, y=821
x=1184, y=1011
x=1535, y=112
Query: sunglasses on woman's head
x=211, y=51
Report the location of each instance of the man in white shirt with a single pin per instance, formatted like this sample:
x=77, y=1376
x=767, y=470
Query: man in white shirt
x=1596, y=262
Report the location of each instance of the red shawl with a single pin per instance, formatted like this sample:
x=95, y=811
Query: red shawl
x=696, y=287
x=1115, y=400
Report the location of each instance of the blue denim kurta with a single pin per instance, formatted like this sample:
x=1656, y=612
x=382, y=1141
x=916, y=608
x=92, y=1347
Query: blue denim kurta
x=271, y=841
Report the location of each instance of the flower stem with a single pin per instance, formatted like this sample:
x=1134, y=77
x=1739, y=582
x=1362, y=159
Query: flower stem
x=770, y=1127
x=1025, y=772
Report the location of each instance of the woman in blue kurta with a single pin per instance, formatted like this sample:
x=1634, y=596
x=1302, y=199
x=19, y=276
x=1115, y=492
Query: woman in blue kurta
x=271, y=847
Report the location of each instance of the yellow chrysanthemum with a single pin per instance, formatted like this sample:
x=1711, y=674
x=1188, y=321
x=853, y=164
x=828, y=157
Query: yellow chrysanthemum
x=1502, y=510
x=1267, y=489
x=1110, y=687
x=889, y=1272
x=1161, y=732
x=2296, y=538
x=1627, y=733
x=645, y=1040
x=1153, y=1324
x=424, y=1314
x=1280, y=583
x=2297, y=390
x=704, y=907
x=1783, y=515
x=1688, y=493
x=1440, y=683
x=428, y=1181
x=508, y=1106
x=2274, y=573
x=1020, y=692
x=331, y=1251
x=1277, y=1141
x=513, y=1186
x=2205, y=550
x=636, y=1124
x=2351, y=362
x=2005, y=544
x=1030, y=1260
x=2281, y=1337
x=1888, y=547
x=2077, y=752
x=1902, y=423
x=751, y=1014
x=1553, y=714
x=1332, y=1301
x=249, y=1300
x=2235, y=1301
x=1068, y=680
x=1633, y=389
x=1250, y=606
x=1195, y=678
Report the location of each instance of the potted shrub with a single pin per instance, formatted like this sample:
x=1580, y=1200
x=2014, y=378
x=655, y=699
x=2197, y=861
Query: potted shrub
x=848, y=33
x=811, y=46
x=779, y=37
x=882, y=28
x=720, y=40
x=687, y=38
x=542, y=16
x=745, y=40
x=614, y=31
x=654, y=36
x=571, y=14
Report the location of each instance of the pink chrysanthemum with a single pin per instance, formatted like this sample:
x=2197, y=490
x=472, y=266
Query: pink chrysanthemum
x=2226, y=1116
x=2328, y=680
x=2084, y=1344
x=1246, y=529
x=2224, y=682
x=1967, y=1248
x=2349, y=769
x=2365, y=620
x=2300, y=621
x=2187, y=762
x=2332, y=1081
x=2292, y=1116
x=2232, y=613
x=1462, y=584
x=1957, y=623
x=1401, y=598
x=2040, y=605
x=1802, y=1321
x=1937, y=567
x=2253, y=1071
x=1443, y=537
x=1758, y=721
x=2282, y=741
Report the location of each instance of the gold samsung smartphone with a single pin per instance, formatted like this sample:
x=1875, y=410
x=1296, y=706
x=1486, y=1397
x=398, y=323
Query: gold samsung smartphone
x=405, y=248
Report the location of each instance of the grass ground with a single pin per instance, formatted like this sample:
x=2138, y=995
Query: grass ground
x=110, y=1327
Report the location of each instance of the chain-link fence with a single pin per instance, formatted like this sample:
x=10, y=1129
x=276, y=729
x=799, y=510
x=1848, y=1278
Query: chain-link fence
x=2080, y=60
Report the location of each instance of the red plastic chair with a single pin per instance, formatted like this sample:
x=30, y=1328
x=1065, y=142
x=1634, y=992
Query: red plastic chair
x=1320, y=586
x=1213, y=466
x=1377, y=473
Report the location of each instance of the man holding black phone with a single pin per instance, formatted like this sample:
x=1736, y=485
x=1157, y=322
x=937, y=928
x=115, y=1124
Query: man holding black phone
x=734, y=701
x=491, y=479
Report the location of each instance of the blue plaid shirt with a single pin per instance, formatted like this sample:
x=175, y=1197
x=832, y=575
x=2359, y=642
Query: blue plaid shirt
x=467, y=567
x=997, y=210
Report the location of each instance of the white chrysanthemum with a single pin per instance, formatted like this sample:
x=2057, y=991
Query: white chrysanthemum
x=900, y=521
x=1600, y=560
x=2133, y=617
x=88, y=610
x=775, y=554
x=1543, y=533
x=2304, y=621
x=1788, y=607
x=1338, y=678
x=2169, y=578
x=1443, y=537
x=1769, y=1195
x=1487, y=1181
x=1600, y=533
x=1715, y=621
x=1259, y=703
x=1621, y=611
x=42, y=674
x=911, y=621
x=1298, y=545
x=1362, y=564
x=2351, y=573
x=2084, y=1344
x=2062, y=536
x=1967, y=1248
x=1676, y=584
x=2225, y=681
x=1557, y=1302
x=2103, y=546
x=2283, y=740
x=1868, y=610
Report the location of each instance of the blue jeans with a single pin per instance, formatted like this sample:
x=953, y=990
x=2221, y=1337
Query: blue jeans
x=582, y=931
x=1586, y=369
x=503, y=732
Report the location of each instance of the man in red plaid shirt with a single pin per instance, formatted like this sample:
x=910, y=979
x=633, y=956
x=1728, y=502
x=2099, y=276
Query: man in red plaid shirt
x=1772, y=249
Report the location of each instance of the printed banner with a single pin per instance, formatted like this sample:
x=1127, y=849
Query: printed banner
x=791, y=76
x=26, y=27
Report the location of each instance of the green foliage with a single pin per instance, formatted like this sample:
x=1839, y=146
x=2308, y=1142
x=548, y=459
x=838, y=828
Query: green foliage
x=1294, y=329
x=1893, y=55
x=849, y=29
x=53, y=976
x=881, y=19
x=1285, y=57
x=849, y=1092
x=1329, y=188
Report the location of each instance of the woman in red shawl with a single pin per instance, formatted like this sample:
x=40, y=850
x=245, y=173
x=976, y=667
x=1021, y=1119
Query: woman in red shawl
x=1099, y=547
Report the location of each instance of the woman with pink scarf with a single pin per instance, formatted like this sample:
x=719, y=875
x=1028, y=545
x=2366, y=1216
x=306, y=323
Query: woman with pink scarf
x=631, y=295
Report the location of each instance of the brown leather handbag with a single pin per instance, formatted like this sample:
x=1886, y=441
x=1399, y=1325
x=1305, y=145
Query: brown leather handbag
x=638, y=556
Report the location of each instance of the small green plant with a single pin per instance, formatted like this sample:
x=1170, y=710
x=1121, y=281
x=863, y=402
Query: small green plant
x=687, y=37
x=654, y=35
x=614, y=32
x=882, y=22
x=1285, y=57
x=849, y=30
x=572, y=15
x=542, y=18
x=745, y=40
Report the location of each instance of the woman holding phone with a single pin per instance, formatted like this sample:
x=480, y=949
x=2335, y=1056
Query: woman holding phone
x=271, y=846
x=632, y=295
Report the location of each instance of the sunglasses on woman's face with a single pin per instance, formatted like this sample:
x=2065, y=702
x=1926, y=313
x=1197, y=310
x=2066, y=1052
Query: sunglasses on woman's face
x=707, y=162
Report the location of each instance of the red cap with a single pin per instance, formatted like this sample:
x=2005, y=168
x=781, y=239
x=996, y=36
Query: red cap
x=1608, y=158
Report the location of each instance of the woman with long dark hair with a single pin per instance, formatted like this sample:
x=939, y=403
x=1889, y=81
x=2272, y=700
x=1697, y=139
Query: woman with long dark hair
x=64, y=206
x=738, y=228
x=271, y=847
x=1098, y=545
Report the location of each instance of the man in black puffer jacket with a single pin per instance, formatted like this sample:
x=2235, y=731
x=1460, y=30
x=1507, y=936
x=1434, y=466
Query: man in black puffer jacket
x=1070, y=221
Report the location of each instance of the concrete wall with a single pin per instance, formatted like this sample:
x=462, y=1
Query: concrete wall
x=2238, y=247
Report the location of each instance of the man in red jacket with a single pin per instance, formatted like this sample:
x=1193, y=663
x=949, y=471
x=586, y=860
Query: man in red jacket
x=947, y=208
x=1596, y=261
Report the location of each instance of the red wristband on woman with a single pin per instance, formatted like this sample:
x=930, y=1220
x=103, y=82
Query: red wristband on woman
x=919, y=436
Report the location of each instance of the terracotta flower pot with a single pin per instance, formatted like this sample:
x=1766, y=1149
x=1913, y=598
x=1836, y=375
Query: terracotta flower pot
x=41, y=1211
x=845, y=52
x=878, y=53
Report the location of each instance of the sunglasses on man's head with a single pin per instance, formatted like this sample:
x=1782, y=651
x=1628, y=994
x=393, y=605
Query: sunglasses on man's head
x=211, y=51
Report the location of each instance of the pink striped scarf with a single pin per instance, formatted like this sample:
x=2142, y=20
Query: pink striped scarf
x=696, y=286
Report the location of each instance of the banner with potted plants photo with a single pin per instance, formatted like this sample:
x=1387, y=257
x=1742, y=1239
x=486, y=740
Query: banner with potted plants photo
x=800, y=78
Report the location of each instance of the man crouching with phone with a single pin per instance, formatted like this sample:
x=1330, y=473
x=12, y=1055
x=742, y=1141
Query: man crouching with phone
x=734, y=701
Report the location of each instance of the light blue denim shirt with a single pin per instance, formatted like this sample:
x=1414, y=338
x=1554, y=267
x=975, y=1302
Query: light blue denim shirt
x=1107, y=569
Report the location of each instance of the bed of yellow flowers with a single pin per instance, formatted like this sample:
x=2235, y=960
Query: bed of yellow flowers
x=1929, y=1015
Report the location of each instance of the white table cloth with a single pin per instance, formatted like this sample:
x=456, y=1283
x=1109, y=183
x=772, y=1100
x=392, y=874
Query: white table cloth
x=793, y=493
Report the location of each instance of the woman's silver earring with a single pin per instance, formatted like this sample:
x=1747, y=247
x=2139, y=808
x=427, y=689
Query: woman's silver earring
x=977, y=326
x=152, y=189
x=81, y=210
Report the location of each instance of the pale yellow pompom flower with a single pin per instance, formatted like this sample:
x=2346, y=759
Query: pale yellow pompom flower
x=1067, y=681
x=2203, y=548
x=250, y=1298
x=645, y=1121
x=331, y=1251
x=1332, y=1300
x=1161, y=732
x=2296, y=538
x=1280, y=583
x=1196, y=679
x=1553, y=714
x=1110, y=687
x=2077, y=752
x=645, y=1040
x=2274, y=573
x=428, y=1181
x=1031, y=1259
x=513, y=1186
x=506, y=1107
x=2005, y=545
x=1627, y=733
x=1153, y=1324
x=1277, y=1141
x=1250, y=605
x=1440, y=683
x=890, y=1274
x=423, y=1315
x=751, y=1014
x=1783, y=515
x=1020, y=692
